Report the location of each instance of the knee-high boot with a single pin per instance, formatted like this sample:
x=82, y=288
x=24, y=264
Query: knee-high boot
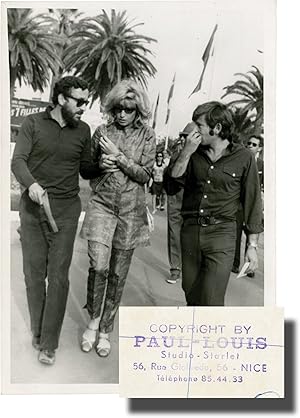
x=95, y=291
x=119, y=266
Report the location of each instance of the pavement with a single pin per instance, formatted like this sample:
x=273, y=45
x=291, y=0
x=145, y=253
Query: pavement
x=145, y=286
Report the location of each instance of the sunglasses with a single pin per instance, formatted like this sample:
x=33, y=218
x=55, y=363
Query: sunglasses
x=252, y=143
x=79, y=102
x=127, y=110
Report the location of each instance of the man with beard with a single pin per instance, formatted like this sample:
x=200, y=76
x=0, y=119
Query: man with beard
x=52, y=148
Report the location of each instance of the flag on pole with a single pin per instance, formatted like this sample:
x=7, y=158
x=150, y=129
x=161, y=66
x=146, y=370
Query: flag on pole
x=205, y=58
x=169, y=99
x=155, y=113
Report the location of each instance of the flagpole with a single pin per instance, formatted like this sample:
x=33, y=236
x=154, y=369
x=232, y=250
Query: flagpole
x=152, y=113
x=214, y=56
x=155, y=112
x=168, y=132
x=205, y=58
x=170, y=99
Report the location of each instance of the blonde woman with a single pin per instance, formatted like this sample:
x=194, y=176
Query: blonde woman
x=116, y=219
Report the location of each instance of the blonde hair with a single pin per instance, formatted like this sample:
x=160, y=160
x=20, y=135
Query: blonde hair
x=128, y=92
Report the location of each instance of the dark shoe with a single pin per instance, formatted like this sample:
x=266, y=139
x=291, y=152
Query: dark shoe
x=251, y=274
x=47, y=357
x=235, y=269
x=36, y=343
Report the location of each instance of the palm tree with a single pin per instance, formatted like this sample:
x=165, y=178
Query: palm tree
x=251, y=90
x=32, y=48
x=244, y=126
x=65, y=19
x=64, y=26
x=106, y=50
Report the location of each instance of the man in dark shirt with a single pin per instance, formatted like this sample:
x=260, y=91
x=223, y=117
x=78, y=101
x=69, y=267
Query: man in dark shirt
x=52, y=148
x=255, y=145
x=217, y=176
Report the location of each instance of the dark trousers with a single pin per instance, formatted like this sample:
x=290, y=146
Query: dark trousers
x=207, y=257
x=47, y=255
x=174, y=227
x=157, y=189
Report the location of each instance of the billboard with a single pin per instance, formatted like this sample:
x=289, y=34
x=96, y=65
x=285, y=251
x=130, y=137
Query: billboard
x=20, y=108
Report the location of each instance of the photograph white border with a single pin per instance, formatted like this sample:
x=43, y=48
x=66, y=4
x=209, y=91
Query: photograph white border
x=269, y=248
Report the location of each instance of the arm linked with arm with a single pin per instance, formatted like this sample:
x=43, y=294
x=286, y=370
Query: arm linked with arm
x=140, y=172
x=89, y=166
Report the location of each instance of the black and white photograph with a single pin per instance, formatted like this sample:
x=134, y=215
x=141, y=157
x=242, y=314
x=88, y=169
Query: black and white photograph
x=138, y=137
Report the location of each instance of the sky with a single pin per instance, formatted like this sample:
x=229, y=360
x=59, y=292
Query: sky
x=182, y=30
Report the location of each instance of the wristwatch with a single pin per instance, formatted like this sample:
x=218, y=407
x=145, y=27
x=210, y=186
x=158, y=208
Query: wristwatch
x=252, y=244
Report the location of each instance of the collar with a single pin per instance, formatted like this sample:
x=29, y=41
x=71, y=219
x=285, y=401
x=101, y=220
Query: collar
x=232, y=147
x=47, y=114
x=126, y=129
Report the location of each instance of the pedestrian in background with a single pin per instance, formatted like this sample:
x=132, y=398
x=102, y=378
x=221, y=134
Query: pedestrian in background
x=52, y=148
x=116, y=218
x=174, y=203
x=255, y=145
x=157, y=187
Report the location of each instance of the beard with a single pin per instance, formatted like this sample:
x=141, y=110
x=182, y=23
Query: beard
x=69, y=117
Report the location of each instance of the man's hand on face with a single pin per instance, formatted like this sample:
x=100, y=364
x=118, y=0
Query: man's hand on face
x=36, y=192
x=193, y=140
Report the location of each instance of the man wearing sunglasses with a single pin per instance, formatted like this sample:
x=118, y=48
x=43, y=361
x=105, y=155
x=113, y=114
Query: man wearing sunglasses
x=255, y=145
x=52, y=148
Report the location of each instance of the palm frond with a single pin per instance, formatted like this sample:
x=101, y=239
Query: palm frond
x=107, y=49
x=250, y=89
